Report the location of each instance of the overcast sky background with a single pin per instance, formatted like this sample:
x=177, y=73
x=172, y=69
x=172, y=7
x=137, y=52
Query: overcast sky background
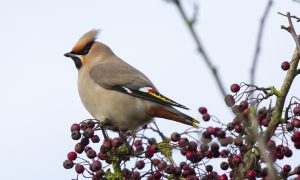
x=39, y=98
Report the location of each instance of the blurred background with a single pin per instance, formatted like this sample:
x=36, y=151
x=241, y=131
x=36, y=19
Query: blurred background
x=39, y=99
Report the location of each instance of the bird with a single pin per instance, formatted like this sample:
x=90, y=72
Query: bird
x=115, y=92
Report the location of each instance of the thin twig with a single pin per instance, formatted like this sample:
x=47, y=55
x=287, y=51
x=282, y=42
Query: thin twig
x=258, y=41
x=190, y=24
x=294, y=17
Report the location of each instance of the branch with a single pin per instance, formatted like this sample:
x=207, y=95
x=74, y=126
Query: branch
x=291, y=74
x=258, y=41
x=190, y=24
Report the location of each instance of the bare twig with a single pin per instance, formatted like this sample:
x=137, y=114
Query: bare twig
x=190, y=25
x=291, y=74
x=294, y=17
x=258, y=41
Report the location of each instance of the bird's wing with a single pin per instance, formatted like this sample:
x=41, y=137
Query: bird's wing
x=128, y=80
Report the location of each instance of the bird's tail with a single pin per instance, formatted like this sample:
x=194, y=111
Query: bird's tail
x=173, y=114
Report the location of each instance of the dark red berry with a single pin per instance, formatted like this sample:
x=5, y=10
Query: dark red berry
x=206, y=117
x=157, y=175
x=169, y=169
x=75, y=135
x=162, y=165
x=202, y=110
x=84, y=141
x=235, y=88
x=140, y=164
x=79, y=148
x=95, y=139
x=116, y=142
x=296, y=122
x=91, y=154
x=224, y=165
x=209, y=168
x=126, y=173
x=79, y=168
x=236, y=159
x=88, y=133
x=75, y=127
x=285, y=65
x=136, y=175
x=183, y=142
x=83, y=125
x=90, y=124
x=177, y=171
x=175, y=137
x=72, y=155
x=224, y=153
x=286, y=168
x=296, y=111
x=223, y=177
x=68, y=164
x=95, y=166
x=106, y=146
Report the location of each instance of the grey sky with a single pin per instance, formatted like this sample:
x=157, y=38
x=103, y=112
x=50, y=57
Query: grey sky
x=39, y=99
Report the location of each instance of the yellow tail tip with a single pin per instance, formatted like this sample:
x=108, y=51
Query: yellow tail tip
x=195, y=125
x=196, y=121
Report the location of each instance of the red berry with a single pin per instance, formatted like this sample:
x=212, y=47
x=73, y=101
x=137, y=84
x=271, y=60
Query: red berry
x=235, y=88
x=286, y=168
x=136, y=175
x=285, y=65
x=296, y=137
x=202, y=110
x=223, y=177
x=116, y=142
x=188, y=155
x=209, y=168
x=72, y=155
x=79, y=168
x=251, y=174
x=90, y=124
x=88, y=133
x=156, y=176
x=237, y=159
x=296, y=123
x=91, y=154
x=183, y=142
x=79, y=148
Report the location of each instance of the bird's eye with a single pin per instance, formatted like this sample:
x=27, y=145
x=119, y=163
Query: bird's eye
x=86, y=48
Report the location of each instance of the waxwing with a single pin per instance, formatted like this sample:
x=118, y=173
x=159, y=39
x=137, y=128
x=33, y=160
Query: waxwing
x=115, y=92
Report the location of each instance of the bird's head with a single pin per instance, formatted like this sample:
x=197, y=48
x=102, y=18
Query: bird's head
x=87, y=49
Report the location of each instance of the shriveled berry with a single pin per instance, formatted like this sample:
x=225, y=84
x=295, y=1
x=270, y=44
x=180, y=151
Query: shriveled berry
x=106, y=146
x=136, y=175
x=75, y=135
x=229, y=100
x=95, y=139
x=72, y=155
x=162, y=165
x=206, y=117
x=221, y=134
x=140, y=164
x=91, y=154
x=79, y=148
x=202, y=110
x=138, y=143
x=209, y=168
x=84, y=141
x=169, y=169
x=175, y=137
x=155, y=161
x=126, y=173
x=90, y=124
x=75, y=127
x=296, y=111
x=157, y=175
x=192, y=146
x=88, y=133
x=235, y=88
x=79, y=168
x=87, y=148
x=177, y=171
x=116, y=142
x=68, y=164
x=95, y=166
x=83, y=125
x=285, y=65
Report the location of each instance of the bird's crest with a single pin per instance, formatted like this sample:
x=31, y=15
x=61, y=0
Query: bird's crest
x=85, y=39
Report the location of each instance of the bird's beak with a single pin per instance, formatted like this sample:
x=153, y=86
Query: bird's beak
x=70, y=54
